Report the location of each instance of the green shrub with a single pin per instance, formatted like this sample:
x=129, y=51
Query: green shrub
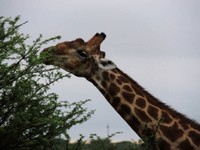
x=31, y=116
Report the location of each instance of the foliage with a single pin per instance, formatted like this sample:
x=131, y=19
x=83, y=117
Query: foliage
x=150, y=141
x=30, y=116
x=96, y=144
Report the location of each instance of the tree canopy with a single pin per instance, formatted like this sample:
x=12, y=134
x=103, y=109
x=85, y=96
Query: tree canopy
x=31, y=116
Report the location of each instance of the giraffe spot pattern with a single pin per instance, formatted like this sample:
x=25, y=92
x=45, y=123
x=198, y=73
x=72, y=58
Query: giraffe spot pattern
x=186, y=145
x=124, y=110
x=113, y=89
x=128, y=97
x=195, y=137
x=141, y=103
x=153, y=112
x=107, y=96
x=148, y=132
x=104, y=84
x=127, y=88
x=119, y=81
x=184, y=126
x=116, y=102
x=142, y=115
x=172, y=133
x=163, y=145
x=137, y=91
x=123, y=79
x=105, y=76
x=115, y=71
x=166, y=117
x=112, y=76
x=134, y=123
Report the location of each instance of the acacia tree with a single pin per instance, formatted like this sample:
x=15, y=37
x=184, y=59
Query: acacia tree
x=30, y=116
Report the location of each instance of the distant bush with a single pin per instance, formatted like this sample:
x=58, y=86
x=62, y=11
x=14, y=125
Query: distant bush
x=96, y=144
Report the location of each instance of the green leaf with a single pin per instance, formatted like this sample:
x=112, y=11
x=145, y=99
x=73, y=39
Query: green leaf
x=30, y=115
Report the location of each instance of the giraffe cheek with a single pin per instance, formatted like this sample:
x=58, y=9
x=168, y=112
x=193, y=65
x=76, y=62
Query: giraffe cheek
x=68, y=68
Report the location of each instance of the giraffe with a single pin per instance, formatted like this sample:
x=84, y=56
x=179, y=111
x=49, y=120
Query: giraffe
x=145, y=114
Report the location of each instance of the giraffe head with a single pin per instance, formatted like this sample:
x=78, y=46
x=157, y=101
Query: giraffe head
x=78, y=57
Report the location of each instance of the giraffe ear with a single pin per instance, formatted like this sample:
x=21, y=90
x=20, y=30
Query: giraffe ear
x=106, y=64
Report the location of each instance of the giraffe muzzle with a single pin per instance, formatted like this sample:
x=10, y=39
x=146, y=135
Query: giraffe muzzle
x=47, y=56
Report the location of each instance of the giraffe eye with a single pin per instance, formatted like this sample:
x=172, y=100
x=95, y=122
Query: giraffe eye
x=82, y=54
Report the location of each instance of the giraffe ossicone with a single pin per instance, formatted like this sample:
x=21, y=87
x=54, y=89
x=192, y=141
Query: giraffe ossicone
x=144, y=113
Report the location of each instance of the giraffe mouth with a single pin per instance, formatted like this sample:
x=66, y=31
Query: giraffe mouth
x=47, y=56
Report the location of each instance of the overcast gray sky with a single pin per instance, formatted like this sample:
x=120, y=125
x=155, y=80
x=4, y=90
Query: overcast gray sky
x=156, y=42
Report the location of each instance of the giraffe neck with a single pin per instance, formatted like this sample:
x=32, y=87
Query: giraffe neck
x=145, y=114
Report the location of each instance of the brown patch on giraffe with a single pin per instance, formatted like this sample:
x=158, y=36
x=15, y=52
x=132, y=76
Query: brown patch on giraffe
x=116, y=102
x=142, y=115
x=141, y=103
x=172, y=133
x=148, y=132
x=135, y=86
x=97, y=77
x=195, y=137
x=153, y=112
x=127, y=88
x=183, y=124
x=107, y=96
x=128, y=97
x=166, y=118
x=163, y=145
x=105, y=76
x=186, y=145
x=104, y=84
x=112, y=76
x=123, y=79
x=134, y=124
x=124, y=110
x=103, y=91
x=137, y=91
x=115, y=71
x=194, y=124
x=119, y=82
x=113, y=89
